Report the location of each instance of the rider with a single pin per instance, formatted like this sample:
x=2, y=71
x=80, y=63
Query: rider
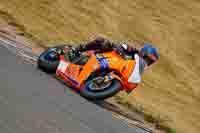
x=148, y=53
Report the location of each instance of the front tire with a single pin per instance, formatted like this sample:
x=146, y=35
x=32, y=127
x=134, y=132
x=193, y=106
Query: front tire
x=108, y=91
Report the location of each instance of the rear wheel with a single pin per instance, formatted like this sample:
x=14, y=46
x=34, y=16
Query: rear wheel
x=48, y=61
x=97, y=89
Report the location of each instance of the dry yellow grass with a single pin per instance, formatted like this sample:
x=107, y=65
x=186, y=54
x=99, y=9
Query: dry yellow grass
x=171, y=87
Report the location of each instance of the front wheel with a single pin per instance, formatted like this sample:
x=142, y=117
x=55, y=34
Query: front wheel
x=100, y=91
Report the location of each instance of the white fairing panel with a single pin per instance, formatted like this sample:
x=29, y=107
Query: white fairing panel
x=135, y=75
x=62, y=66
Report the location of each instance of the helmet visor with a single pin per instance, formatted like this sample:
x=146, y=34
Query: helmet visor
x=150, y=59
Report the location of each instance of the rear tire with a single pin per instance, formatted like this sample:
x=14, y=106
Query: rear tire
x=109, y=91
x=50, y=66
x=46, y=65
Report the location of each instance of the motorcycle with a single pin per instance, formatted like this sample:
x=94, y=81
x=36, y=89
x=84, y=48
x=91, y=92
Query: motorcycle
x=96, y=75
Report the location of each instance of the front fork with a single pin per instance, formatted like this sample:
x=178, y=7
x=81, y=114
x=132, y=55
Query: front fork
x=125, y=85
x=110, y=76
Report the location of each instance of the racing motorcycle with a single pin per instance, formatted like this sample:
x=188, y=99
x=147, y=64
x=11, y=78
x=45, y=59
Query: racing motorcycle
x=96, y=75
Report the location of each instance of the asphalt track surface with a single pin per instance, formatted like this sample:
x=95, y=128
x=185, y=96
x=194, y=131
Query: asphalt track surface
x=34, y=102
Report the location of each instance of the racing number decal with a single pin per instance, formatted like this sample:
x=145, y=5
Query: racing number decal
x=99, y=56
x=102, y=61
x=63, y=66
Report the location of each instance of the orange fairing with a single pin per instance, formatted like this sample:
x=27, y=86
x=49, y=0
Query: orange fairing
x=91, y=66
x=75, y=75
